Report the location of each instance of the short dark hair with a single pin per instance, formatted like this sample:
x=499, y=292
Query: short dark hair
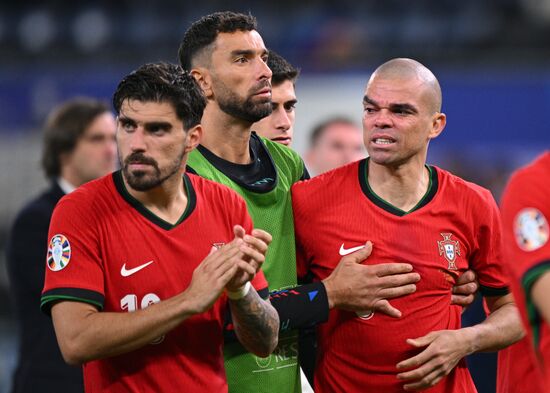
x=65, y=125
x=204, y=32
x=282, y=70
x=320, y=128
x=163, y=82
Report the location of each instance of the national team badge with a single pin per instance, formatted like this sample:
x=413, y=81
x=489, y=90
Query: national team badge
x=59, y=253
x=449, y=249
x=531, y=229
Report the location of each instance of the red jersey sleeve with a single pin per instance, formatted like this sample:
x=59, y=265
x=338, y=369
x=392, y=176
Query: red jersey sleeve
x=74, y=270
x=525, y=214
x=487, y=258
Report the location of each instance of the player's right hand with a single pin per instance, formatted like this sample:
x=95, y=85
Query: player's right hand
x=253, y=248
x=364, y=288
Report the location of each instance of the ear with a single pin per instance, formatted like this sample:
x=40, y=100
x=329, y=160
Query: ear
x=193, y=138
x=438, y=124
x=204, y=79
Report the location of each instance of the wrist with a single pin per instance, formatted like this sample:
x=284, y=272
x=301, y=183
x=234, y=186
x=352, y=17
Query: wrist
x=330, y=292
x=469, y=338
x=239, y=293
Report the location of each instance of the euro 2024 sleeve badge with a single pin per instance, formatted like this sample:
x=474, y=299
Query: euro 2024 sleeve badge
x=59, y=253
x=531, y=229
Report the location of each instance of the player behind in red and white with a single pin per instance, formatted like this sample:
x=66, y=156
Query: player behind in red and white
x=525, y=211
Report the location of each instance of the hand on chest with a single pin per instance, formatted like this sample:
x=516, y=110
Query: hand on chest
x=426, y=246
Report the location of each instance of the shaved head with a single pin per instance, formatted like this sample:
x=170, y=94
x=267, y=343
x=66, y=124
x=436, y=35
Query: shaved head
x=406, y=69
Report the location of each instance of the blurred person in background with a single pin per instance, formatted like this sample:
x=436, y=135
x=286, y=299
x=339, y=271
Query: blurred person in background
x=333, y=143
x=78, y=146
x=525, y=208
x=279, y=125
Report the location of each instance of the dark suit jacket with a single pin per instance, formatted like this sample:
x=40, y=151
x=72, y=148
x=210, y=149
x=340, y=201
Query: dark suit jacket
x=41, y=367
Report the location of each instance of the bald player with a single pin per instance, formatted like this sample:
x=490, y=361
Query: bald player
x=412, y=212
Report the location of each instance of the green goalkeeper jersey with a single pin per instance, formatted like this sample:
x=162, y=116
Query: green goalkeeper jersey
x=265, y=186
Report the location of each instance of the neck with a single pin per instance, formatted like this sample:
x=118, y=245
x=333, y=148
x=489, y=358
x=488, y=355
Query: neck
x=70, y=175
x=226, y=136
x=403, y=186
x=167, y=201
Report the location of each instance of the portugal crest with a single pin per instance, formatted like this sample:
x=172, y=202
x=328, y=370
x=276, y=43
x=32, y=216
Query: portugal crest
x=449, y=249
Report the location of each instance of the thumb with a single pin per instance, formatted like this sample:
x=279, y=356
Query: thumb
x=423, y=341
x=362, y=254
x=239, y=231
x=385, y=307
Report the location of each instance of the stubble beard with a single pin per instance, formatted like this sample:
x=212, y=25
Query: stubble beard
x=144, y=181
x=247, y=109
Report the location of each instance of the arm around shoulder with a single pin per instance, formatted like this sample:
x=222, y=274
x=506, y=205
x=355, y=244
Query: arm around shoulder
x=500, y=329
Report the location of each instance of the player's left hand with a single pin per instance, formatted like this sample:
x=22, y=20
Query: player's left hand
x=253, y=248
x=444, y=349
x=463, y=293
x=258, y=240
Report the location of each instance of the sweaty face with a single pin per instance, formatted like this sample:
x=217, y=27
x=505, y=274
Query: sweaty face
x=240, y=75
x=340, y=144
x=95, y=152
x=279, y=126
x=151, y=143
x=399, y=121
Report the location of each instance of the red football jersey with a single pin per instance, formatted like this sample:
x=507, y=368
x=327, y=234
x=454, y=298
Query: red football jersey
x=455, y=227
x=107, y=249
x=525, y=214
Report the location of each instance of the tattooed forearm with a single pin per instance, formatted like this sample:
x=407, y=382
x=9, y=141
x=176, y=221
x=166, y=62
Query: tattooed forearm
x=256, y=323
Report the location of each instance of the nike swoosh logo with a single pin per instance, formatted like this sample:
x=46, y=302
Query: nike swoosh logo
x=346, y=251
x=129, y=272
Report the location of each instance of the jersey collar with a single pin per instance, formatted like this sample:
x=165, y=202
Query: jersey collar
x=260, y=176
x=369, y=193
x=191, y=202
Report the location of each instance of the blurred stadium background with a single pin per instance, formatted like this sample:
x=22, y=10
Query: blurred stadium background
x=491, y=56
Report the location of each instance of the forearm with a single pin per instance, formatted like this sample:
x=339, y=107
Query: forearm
x=499, y=330
x=256, y=323
x=85, y=334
